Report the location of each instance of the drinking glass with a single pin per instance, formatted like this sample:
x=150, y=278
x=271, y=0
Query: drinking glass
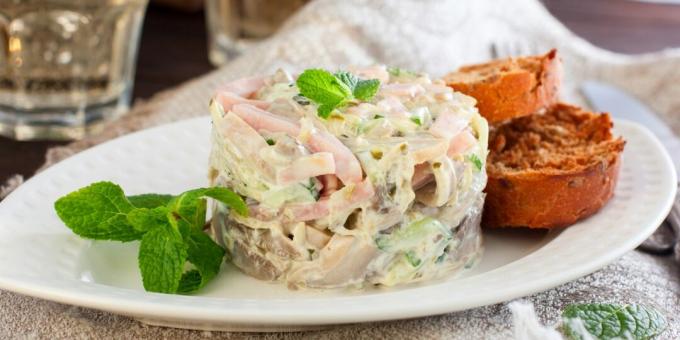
x=232, y=24
x=66, y=66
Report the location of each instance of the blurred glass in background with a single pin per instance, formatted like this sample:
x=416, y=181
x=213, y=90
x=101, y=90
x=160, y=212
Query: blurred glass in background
x=232, y=24
x=66, y=66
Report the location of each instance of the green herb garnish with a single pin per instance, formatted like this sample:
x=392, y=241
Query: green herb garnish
x=382, y=242
x=610, y=321
x=476, y=161
x=170, y=229
x=412, y=258
x=270, y=141
x=361, y=89
x=417, y=121
x=396, y=71
x=331, y=91
x=311, y=187
x=378, y=116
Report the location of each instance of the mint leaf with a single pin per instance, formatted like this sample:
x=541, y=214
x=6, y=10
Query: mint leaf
x=323, y=88
x=190, y=207
x=162, y=255
x=190, y=282
x=149, y=200
x=145, y=219
x=361, y=89
x=205, y=255
x=348, y=79
x=170, y=229
x=476, y=161
x=228, y=197
x=610, y=321
x=325, y=110
x=331, y=91
x=366, y=89
x=99, y=212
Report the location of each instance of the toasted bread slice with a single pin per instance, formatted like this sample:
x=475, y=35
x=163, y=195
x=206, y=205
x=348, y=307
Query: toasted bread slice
x=510, y=88
x=551, y=170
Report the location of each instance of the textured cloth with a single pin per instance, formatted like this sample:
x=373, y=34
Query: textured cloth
x=431, y=36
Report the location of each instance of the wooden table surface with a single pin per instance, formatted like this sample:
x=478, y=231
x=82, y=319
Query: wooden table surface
x=173, y=50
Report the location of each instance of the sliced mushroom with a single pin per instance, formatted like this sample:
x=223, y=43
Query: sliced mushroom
x=249, y=245
x=316, y=237
x=437, y=193
x=342, y=261
x=252, y=263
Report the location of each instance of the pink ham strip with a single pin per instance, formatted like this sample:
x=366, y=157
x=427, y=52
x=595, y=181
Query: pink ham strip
x=429, y=151
x=229, y=99
x=263, y=120
x=453, y=129
x=244, y=87
x=461, y=143
x=247, y=141
x=310, y=211
x=347, y=166
x=447, y=125
x=372, y=72
x=401, y=90
x=458, y=145
x=320, y=163
x=393, y=107
x=437, y=89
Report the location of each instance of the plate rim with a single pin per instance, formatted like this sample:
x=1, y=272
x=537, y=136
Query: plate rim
x=158, y=309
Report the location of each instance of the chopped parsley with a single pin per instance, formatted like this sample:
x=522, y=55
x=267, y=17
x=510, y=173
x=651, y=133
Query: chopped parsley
x=412, y=259
x=397, y=72
x=311, y=187
x=476, y=161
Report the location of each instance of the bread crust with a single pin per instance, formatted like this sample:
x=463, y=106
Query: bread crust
x=539, y=200
x=510, y=88
x=530, y=181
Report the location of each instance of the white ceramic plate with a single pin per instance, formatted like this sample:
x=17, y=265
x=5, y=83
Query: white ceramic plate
x=40, y=257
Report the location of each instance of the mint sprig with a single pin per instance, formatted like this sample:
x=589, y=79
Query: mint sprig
x=206, y=256
x=170, y=229
x=361, y=89
x=98, y=212
x=149, y=200
x=162, y=255
x=610, y=321
x=331, y=91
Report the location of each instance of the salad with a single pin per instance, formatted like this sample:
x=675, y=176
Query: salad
x=367, y=177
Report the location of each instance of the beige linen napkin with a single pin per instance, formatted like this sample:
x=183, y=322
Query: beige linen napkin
x=434, y=36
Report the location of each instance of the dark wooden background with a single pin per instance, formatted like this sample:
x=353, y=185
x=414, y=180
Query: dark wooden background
x=173, y=50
